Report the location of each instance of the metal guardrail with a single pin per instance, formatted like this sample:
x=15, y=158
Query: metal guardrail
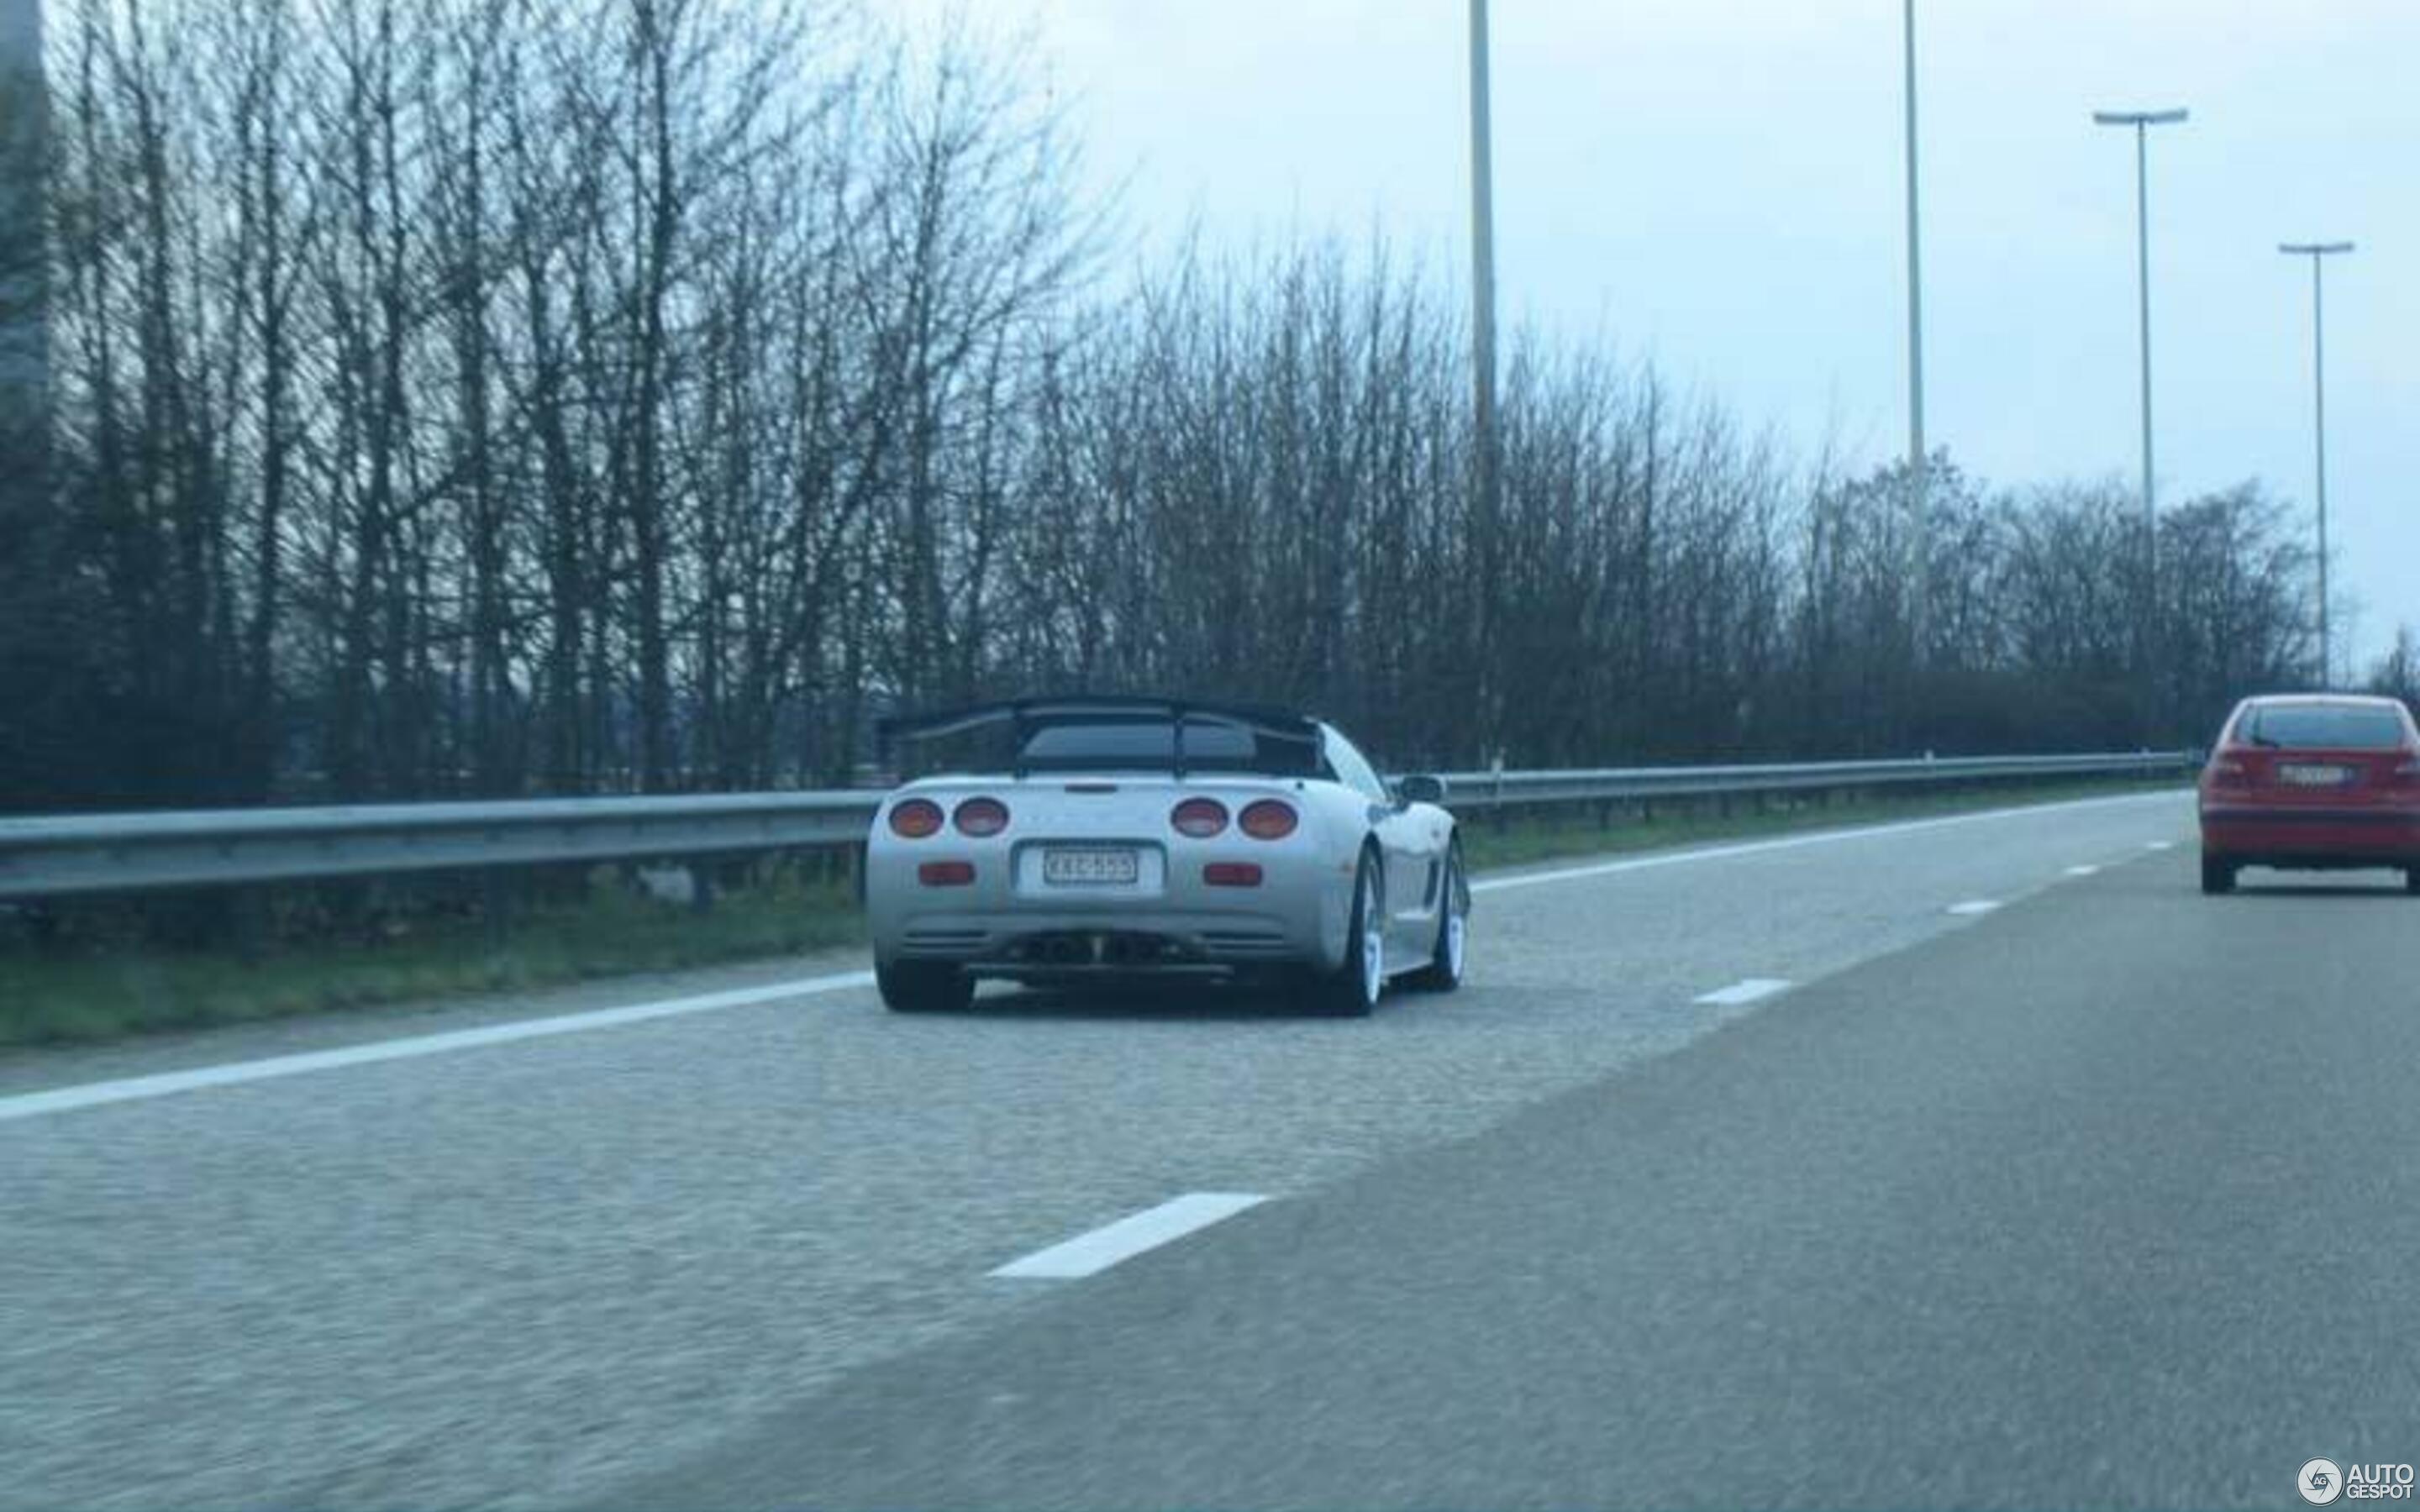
x=109, y=853
x=58, y=856
x=1480, y=790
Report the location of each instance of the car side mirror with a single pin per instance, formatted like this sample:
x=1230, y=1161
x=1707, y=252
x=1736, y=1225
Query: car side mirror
x=1420, y=789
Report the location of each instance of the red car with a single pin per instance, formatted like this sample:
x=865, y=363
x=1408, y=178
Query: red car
x=2312, y=782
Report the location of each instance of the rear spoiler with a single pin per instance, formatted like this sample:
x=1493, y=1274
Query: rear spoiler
x=1024, y=715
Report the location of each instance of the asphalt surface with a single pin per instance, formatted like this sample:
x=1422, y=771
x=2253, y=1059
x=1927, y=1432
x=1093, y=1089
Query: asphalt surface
x=2111, y=1201
x=2102, y=1195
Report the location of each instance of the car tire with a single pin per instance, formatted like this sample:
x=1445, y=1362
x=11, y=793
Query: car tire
x=923, y=987
x=2412, y=880
x=1353, y=989
x=1443, y=973
x=2217, y=876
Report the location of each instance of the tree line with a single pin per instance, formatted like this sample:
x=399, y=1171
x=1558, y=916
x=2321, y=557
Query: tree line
x=499, y=397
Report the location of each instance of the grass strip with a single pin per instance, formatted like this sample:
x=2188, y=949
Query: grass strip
x=53, y=996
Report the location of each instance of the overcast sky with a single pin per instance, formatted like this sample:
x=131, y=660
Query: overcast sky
x=1717, y=184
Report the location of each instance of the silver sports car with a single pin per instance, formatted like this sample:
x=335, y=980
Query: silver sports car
x=1077, y=839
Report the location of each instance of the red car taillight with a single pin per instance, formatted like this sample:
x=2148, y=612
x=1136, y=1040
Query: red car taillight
x=946, y=873
x=916, y=819
x=982, y=817
x=1199, y=818
x=2226, y=772
x=1268, y=819
x=2407, y=775
x=1232, y=874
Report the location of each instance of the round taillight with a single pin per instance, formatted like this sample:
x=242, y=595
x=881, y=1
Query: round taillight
x=915, y=819
x=1200, y=818
x=982, y=817
x=1268, y=819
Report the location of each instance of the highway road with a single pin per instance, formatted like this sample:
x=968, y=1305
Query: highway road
x=1974, y=1161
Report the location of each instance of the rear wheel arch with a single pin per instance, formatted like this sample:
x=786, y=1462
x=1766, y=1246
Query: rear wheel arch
x=1344, y=989
x=1443, y=969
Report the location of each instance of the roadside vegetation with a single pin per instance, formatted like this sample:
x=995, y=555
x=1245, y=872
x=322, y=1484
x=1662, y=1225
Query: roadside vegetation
x=478, y=398
x=102, y=971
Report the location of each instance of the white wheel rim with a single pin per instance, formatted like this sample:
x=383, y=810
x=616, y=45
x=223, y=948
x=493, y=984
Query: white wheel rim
x=1374, y=947
x=1455, y=925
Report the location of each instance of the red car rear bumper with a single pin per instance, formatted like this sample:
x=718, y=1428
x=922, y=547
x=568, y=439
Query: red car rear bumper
x=2303, y=835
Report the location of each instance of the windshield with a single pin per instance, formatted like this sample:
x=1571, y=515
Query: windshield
x=1152, y=744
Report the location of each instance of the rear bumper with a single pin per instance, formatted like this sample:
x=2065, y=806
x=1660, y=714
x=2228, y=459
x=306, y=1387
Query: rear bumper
x=2312, y=836
x=1038, y=945
x=1009, y=921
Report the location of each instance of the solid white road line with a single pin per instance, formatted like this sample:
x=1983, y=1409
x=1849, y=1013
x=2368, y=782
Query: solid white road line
x=1754, y=988
x=136, y=1088
x=2161, y=845
x=1091, y=1253
x=1973, y=907
x=2083, y=871
x=1828, y=836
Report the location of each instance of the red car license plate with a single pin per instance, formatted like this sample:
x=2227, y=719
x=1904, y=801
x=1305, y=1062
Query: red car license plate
x=2306, y=775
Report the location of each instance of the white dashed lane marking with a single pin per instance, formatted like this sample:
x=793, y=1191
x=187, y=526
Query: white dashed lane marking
x=1754, y=988
x=1973, y=907
x=1092, y=1253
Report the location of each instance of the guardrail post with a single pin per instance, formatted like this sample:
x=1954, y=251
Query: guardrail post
x=497, y=905
x=252, y=924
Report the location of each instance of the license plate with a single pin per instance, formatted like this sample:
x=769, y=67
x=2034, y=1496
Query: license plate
x=1090, y=868
x=2306, y=775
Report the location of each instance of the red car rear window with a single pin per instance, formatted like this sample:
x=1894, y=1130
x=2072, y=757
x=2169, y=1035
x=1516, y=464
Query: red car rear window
x=2322, y=727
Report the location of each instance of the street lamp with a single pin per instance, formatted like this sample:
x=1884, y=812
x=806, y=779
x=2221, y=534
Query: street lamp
x=1482, y=333
x=1482, y=251
x=2319, y=252
x=1920, y=574
x=2141, y=120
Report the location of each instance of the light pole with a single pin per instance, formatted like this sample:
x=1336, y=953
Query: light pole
x=24, y=294
x=1482, y=261
x=2142, y=121
x=2319, y=252
x=1482, y=341
x=1920, y=569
